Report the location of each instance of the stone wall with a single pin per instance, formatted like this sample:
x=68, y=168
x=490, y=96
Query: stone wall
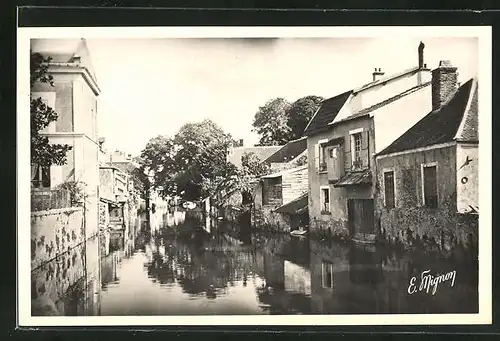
x=64, y=263
x=410, y=223
x=264, y=217
x=54, y=232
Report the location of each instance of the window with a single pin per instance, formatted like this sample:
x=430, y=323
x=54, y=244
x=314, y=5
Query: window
x=327, y=275
x=429, y=175
x=389, y=189
x=325, y=200
x=272, y=191
x=322, y=157
x=246, y=198
x=41, y=177
x=356, y=149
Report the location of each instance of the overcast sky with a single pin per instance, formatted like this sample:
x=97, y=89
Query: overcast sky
x=154, y=86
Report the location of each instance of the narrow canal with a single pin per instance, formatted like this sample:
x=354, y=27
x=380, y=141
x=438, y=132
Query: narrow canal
x=171, y=273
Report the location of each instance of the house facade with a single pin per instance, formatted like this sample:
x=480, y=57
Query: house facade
x=428, y=178
x=74, y=98
x=277, y=190
x=342, y=138
x=279, y=197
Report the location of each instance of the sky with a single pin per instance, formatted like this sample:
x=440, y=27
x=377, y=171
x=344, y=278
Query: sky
x=152, y=87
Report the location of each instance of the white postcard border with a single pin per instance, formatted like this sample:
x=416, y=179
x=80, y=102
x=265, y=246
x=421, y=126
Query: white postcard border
x=23, y=170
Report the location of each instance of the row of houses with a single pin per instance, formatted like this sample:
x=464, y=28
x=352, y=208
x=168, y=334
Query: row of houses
x=394, y=160
x=104, y=177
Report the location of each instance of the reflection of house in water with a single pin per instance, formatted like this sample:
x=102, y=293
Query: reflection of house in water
x=109, y=269
x=297, y=278
x=361, y=280
x=345, y=280
x=287, y=286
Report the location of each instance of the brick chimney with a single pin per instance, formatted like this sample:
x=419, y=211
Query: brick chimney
x=241, y=143
x=444, y=83
x=377, y=74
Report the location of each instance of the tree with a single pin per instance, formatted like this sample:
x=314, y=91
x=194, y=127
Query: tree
x=270, y=122
x=42, y=152
x=192, y=164
x=300, y=113
x=278, y=122
x=252, y=165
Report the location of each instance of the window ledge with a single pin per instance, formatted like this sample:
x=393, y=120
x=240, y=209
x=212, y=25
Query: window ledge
x=325, y=213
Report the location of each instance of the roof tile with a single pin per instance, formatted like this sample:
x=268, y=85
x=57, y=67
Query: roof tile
x=438, y=126
x=326, y=113
x=289, y=151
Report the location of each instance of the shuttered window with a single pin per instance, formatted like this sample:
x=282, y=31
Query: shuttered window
x=389, y=194
x=322, y=157
x=41, y=177
x=359, y=149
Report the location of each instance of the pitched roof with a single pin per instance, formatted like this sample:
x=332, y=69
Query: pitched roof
x=388, y=78
x=391, y=99
x=283, y=172
x=64, y=51
x=366, y=111
x=355, y=178
x=469, y=131
x=262, y=152
x=438, y=126
x=296, y=206
x=330, y=108
x=289, y=151
x=326, y=113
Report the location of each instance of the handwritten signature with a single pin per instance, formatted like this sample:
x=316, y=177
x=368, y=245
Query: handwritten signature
x=429, y=282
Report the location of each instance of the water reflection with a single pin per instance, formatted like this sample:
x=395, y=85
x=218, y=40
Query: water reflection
x=183, y=270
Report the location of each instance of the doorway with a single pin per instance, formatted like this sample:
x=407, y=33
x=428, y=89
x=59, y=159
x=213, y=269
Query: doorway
x=361, y=217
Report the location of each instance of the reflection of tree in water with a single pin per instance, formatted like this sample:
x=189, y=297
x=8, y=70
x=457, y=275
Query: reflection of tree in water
x=200, y=268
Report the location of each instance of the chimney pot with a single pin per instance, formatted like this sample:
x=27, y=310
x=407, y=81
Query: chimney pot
x=444, y=83
x=377, y=74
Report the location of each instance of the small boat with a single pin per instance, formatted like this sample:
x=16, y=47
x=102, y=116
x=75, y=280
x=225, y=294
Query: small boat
x=299, y=232
x=189, y=205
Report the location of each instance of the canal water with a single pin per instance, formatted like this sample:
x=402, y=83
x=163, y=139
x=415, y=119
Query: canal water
x=169, y=272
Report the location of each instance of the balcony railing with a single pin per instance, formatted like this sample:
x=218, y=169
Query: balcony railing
x=42, y=200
